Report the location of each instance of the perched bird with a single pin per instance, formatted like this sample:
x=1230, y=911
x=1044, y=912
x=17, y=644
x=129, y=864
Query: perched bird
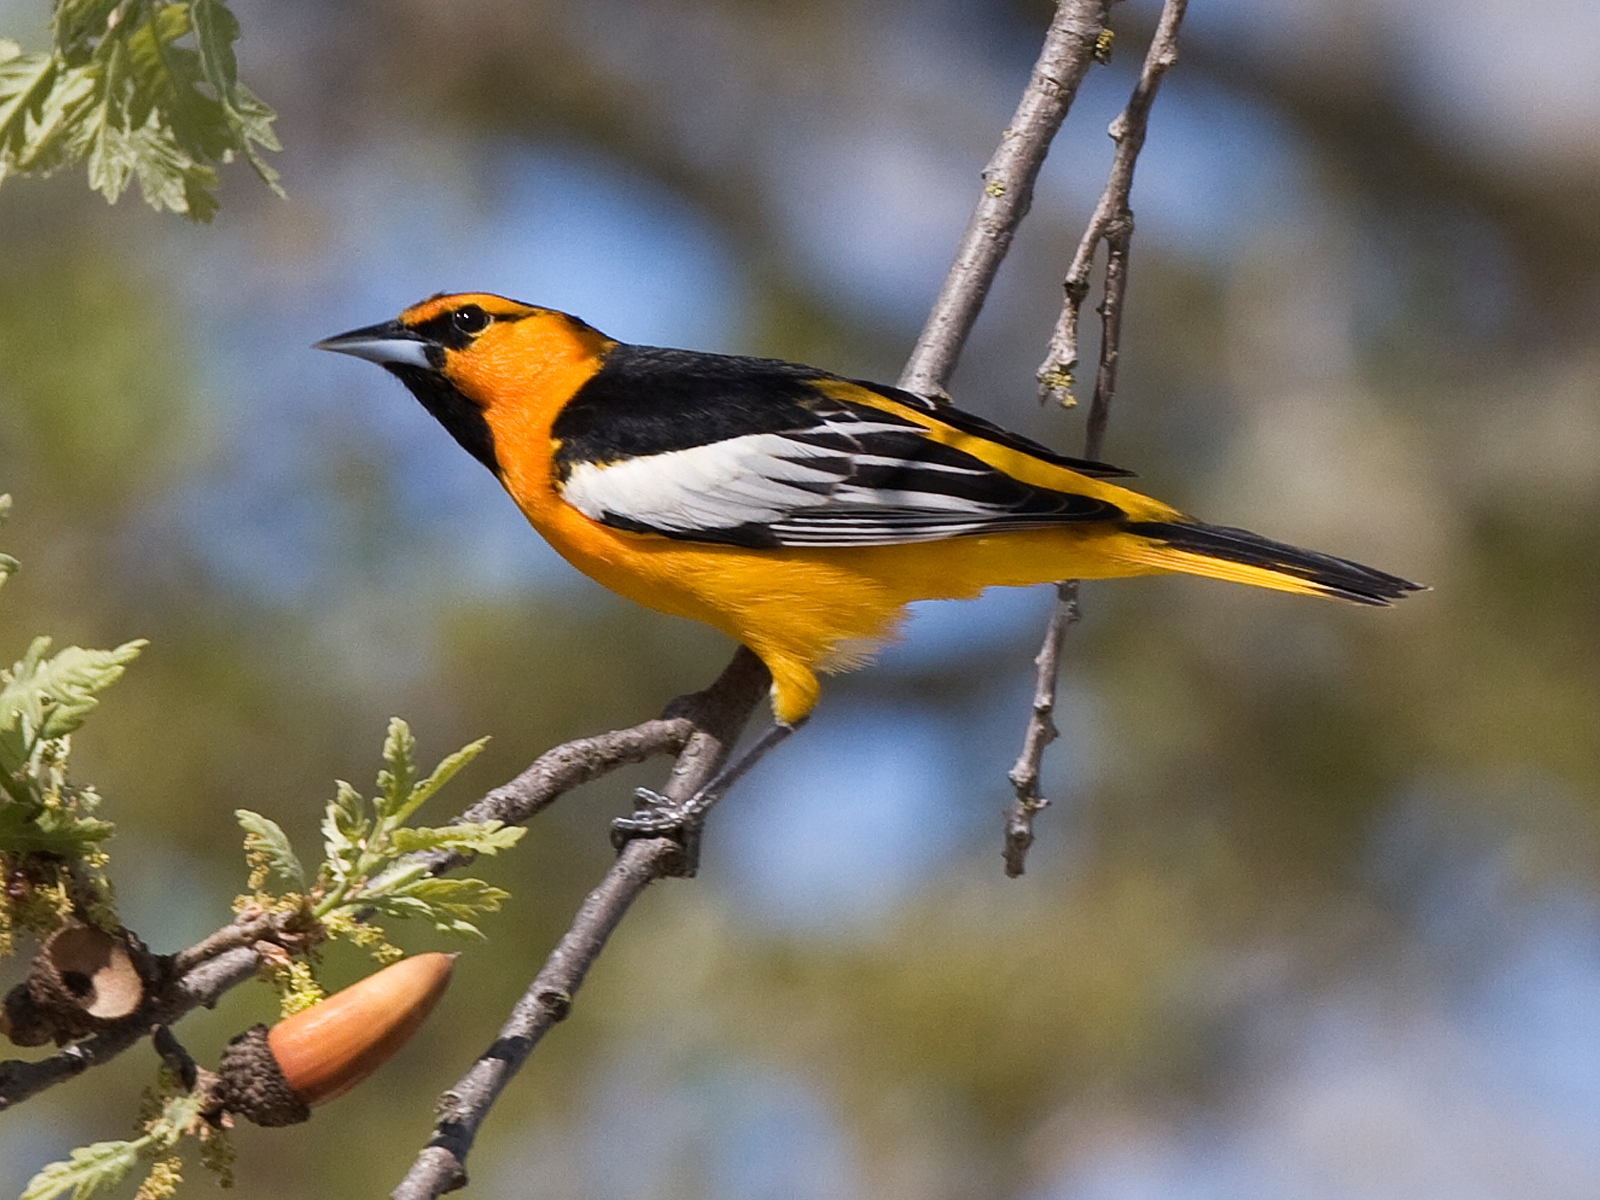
x=797, y=511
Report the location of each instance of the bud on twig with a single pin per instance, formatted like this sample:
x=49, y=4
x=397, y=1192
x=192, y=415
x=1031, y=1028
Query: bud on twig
x=275, y=1076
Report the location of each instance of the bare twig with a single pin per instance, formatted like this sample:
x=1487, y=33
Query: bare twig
x=1112, y=223
x=1042, y=731
x=720, y=713
x=1127, y=131
x=558, y=771
x=1069, y=47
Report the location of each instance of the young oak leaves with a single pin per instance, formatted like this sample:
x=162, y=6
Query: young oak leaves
x=48, y=826
x=170, y=1113
x=118, y=92
x=370, y=869
x=367, y=870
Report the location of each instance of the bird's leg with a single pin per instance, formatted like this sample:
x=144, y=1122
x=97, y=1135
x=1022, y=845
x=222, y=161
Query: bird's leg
x=659, y=816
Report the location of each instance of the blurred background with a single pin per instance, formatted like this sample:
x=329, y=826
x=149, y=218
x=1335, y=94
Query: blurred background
x=1315, y=912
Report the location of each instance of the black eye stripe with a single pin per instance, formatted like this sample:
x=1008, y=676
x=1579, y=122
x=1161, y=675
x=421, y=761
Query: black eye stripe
x=455, y=329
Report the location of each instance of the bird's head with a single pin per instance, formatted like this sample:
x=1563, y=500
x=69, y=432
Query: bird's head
x=490, y=369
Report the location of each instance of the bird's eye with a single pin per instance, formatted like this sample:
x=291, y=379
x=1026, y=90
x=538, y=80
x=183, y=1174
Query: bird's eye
x=470, y=319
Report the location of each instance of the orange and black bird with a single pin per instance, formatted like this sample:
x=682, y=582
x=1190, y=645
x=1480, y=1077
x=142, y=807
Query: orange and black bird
x=795, y=510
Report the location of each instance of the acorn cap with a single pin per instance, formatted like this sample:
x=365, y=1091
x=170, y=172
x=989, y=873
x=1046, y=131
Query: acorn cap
x=249, y=1083
x=82, y=981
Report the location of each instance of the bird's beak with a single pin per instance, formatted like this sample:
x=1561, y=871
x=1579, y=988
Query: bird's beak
x=389, y=344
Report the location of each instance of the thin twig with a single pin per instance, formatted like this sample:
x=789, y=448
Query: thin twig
x=1112, y=223
x=721, y=712
x=1127, y=131
x=558, y=771
x=1070, y=45
x=1042, y=731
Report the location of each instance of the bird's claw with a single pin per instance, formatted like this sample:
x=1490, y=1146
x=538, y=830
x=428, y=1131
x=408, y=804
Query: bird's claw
x=658, y=816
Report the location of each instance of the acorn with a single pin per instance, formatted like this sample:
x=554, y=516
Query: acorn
x=276, y=1076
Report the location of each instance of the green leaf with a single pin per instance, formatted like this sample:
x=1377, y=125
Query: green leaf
x=442, y=774
x=89, y=1170
x=255, y=123
x=169, y=177
x=478, y=837
x=26, y=81
x=445, y=903
x=37, y=829
x=119, y=92
x=56, y=131
x=110, y=156
x=49, y=698
x=77, y=21
x=215, y=31
x=265, y=836
x=178, y=1115
x=399, y=774
x=344, y=828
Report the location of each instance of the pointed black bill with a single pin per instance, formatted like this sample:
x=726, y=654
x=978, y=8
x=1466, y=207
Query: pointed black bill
x=389, y=344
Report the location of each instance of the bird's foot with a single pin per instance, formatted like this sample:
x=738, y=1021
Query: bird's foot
x=682, y=820
x=658, y=816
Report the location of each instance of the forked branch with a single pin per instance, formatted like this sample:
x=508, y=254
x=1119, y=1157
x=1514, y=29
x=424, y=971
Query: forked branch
x=1112, y=223
x=1070, y=46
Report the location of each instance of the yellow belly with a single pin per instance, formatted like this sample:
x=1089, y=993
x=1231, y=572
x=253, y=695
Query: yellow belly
x=807, y=609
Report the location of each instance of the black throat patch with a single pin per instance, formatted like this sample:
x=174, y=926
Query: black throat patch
x=459, y=415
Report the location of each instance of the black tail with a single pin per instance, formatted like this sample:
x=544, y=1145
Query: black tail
x=1320, y=573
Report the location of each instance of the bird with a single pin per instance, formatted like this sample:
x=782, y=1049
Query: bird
x=795, y=510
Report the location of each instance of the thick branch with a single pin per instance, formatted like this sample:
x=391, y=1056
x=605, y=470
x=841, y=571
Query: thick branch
x=1069, y=48
x=719, y=713
x=1112, y=223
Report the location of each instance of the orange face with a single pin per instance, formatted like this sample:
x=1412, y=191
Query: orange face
x=494, y=372
x=518, y=364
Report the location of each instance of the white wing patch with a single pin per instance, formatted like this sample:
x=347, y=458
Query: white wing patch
x=830, y=484
x=752, y=480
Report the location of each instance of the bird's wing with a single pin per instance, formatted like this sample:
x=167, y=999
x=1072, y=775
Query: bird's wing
x=779, y=461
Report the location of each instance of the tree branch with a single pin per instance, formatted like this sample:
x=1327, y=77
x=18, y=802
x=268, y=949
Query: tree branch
x=199, y=975
x=1128, y=132
x=719, y=713
x=558, y=771
x=1070, y=46
x=1112, y=222
x=701, y=728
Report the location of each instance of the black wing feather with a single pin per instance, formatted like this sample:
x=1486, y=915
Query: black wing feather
x=749, y=452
